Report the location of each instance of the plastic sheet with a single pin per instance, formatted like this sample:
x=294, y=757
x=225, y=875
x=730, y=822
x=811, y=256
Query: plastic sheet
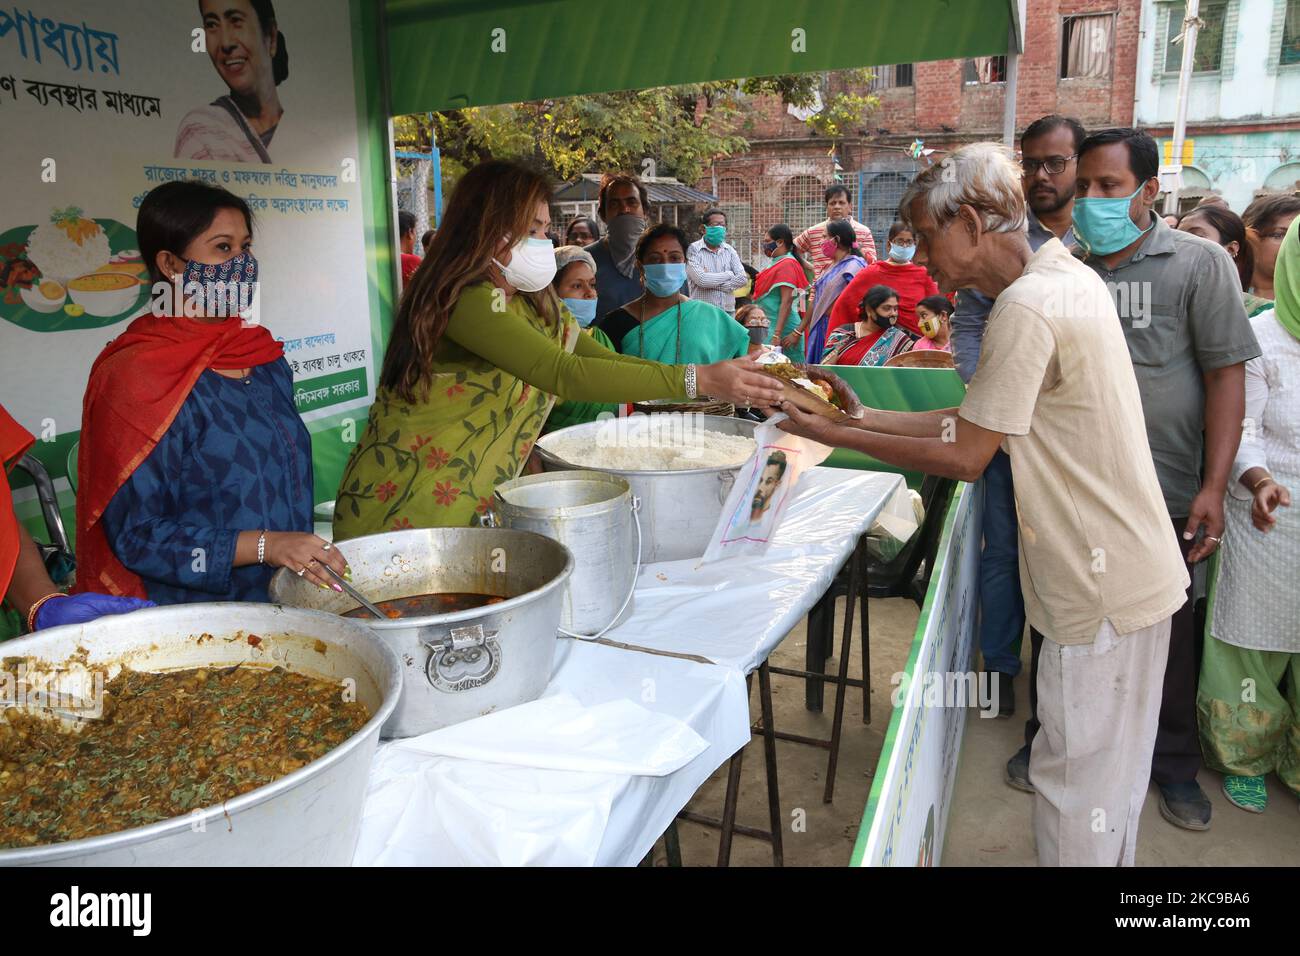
x=559, y=733
x=735, y=612
x=425, y=809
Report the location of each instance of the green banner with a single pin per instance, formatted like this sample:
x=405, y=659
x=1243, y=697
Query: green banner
x=336, y=388
x=510, y=51
x=896, y=390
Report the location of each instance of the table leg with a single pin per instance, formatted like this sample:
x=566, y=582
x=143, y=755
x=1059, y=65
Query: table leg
x=673, y=845
x=846, y=648
x=729, y=808
x=814, y=688
x=863, y=597
x=769, y=754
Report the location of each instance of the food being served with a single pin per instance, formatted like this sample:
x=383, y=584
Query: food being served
x=653, y=448
x=426, y=605
x=167, y=743
x=788, y=372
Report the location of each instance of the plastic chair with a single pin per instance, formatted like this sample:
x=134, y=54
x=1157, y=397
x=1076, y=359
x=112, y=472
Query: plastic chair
x=72, y=465
x=58, y=555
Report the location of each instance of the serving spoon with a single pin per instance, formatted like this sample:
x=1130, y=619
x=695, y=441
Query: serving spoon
x=353, y=593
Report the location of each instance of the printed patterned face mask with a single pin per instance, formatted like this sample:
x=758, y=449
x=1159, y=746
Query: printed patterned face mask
x=225, y=289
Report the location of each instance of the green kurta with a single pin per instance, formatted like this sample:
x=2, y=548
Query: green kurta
x=495, y=376
x=566, y=413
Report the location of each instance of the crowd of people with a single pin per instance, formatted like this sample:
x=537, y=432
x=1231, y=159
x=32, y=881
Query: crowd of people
x=1111, y=357
x=1111, y=363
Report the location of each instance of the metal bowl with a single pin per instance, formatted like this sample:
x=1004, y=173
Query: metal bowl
x=461, y=664
x=310, y=817
x=679, y=509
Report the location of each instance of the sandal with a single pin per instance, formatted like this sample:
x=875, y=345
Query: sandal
x=1248, y=793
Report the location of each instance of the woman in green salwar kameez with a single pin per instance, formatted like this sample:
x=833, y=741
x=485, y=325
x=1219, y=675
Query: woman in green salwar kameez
x=481, y=347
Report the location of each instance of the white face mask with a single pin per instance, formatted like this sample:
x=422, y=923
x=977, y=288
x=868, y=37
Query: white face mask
x=532, y=264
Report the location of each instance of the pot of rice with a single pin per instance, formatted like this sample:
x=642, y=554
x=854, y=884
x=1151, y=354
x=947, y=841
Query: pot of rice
x=681, y=466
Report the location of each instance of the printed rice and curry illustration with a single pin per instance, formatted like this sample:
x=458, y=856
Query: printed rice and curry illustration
x=67, y=264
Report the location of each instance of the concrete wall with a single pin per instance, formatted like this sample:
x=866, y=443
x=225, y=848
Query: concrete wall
x=1244, y=119
x=1250, y=86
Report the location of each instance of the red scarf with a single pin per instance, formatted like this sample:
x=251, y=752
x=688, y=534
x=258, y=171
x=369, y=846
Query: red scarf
x=14, y=442
x=137, y=385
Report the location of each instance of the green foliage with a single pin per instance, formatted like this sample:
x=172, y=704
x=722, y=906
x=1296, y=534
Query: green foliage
x=681, y=128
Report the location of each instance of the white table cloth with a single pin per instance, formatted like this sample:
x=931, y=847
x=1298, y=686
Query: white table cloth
x=489, y=807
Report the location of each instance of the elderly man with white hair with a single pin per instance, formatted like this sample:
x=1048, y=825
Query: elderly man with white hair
x=1101, y=573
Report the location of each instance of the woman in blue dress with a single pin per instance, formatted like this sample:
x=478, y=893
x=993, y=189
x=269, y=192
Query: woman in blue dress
x=195, y=468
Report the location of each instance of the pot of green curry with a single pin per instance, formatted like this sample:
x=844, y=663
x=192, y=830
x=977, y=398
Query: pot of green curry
x=202, y=734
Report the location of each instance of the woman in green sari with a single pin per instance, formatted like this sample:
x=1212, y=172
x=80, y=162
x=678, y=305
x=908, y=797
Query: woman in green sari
x=665, y=325
x=481, y=346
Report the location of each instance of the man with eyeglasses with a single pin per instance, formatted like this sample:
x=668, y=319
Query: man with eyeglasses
x=1048, y=148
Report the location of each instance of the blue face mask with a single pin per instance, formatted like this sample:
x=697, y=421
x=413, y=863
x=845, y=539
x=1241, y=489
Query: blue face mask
x=1104, y=226
x=901, y=253
x=584, y=310
x=664, y=279
x=714, y=235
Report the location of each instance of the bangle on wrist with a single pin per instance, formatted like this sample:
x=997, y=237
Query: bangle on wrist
x=1260, y=482
x=32, y=611
x=261, y=547
x=692, y=387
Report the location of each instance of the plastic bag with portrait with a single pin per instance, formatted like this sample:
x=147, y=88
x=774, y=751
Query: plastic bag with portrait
x=762, y=491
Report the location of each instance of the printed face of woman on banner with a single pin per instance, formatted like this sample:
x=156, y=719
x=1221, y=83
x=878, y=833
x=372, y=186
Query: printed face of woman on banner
x=239, y=49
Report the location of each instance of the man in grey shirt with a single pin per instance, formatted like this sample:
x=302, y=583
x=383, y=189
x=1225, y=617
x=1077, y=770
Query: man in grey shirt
x=1047, y=147
x=1179, y=300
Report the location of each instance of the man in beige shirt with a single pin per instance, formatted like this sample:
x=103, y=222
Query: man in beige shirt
x=1100, y=566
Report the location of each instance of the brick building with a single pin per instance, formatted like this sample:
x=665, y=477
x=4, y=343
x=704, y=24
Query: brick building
x=1080, y=59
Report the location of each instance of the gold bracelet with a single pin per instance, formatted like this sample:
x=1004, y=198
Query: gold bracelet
x=1260, y=482
x=31, y=611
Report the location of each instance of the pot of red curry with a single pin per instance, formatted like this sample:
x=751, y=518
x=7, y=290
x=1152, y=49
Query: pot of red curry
x=473, y=616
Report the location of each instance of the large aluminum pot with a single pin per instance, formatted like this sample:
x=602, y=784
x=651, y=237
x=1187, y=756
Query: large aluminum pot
x=467, y=663
x=679, y=509
x=311, y=817
x=591, y=514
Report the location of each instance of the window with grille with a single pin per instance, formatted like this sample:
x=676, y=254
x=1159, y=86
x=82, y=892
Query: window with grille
x=891, y=77
x=802, y=204
x=986, y=69
x=1290, y=53
x=1086, y=46
x=735, y=200
x=880, y=197
x=1209, y=39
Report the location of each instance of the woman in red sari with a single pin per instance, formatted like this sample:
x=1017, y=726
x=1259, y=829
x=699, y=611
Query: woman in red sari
x=778, y=289
x=875, y=338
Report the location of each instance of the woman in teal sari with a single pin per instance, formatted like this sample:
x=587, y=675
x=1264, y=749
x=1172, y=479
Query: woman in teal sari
x=663, y=324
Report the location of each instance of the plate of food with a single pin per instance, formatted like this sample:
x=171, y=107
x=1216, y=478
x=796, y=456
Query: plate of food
x=70, y=272
x=809, y=395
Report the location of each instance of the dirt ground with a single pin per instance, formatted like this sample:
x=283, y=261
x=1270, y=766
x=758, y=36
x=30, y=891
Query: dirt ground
x=990, y=823
x=826, y=832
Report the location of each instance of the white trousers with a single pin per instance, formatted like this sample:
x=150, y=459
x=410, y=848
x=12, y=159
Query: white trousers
x=1099, y=707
